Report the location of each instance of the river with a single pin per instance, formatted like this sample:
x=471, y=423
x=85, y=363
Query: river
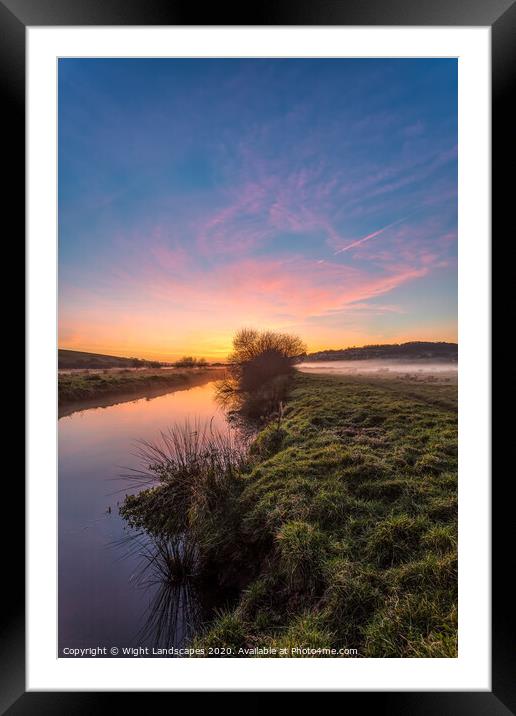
x=103, y=600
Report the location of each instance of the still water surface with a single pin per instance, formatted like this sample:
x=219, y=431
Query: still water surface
x=101, y=599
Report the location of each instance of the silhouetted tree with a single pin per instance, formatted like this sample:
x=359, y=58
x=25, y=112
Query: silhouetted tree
x=259, y=356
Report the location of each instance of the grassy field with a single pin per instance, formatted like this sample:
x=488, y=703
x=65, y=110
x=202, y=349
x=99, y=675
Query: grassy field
x=341, y=530
x=87, y=386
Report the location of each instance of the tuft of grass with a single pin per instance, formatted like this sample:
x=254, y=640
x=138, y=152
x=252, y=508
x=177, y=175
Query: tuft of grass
x=227, y=632
x=268, y=442
x=306, y=632
x=441, y=539
x=354, y=592
x=424, y=575
x=302, y=549
x=195, y=475
x=395, y=539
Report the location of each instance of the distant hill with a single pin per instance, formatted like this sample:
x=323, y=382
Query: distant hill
x=416, y=350
x=80, y=359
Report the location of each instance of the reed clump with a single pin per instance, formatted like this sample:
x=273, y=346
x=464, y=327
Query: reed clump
x=193, y=475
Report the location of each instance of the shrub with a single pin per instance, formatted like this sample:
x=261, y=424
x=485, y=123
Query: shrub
x=258, y=357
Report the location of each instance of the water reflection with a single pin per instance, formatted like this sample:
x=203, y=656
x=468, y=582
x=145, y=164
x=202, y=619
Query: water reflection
x=175, y=613
x=248, y=410
x=166, y=573
x=107, y=596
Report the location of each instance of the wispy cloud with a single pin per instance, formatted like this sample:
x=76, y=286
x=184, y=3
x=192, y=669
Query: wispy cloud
x=368, y=237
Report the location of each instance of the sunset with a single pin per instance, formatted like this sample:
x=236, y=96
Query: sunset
x=200, y=196
x=258, y=358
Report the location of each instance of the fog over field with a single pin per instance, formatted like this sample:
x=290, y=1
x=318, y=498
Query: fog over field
x=378, y=366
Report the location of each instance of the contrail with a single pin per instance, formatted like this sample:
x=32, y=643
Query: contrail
x=371, y=236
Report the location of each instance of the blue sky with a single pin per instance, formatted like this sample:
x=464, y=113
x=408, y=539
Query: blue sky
x=198, y=196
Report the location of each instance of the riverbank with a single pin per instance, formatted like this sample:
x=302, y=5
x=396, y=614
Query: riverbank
x=341, y=530
x=98, y=388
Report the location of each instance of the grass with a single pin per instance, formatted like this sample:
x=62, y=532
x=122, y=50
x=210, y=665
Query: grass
x=86, y=386
x=341, y=527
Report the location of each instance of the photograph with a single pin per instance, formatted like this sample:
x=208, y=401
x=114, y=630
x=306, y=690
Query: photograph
x=257, y=357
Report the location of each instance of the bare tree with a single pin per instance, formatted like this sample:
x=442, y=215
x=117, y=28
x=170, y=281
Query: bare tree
x=259, y=356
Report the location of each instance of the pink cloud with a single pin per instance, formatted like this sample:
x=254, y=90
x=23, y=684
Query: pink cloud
x=306, y=199
x=298, y=288
x=236, y=227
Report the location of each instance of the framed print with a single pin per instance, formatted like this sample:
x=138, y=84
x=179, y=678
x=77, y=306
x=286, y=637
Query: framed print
x=258, y=364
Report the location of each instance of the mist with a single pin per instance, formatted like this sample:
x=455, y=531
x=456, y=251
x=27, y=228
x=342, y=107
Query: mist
x=378, y=366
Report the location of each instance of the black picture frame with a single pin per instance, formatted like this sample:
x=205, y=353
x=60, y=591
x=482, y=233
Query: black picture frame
x=500, y=15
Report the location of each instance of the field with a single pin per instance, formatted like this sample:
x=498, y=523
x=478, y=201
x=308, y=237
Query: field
x=96, y=385
x=341, y=530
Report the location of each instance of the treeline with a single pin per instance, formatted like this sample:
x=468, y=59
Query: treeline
x=414, y=350
x=190, y=362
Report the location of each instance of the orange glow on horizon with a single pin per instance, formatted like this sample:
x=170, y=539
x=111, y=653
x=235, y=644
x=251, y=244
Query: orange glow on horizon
x=218, y=350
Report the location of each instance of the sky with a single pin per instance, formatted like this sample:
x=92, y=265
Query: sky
x=311, y=196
